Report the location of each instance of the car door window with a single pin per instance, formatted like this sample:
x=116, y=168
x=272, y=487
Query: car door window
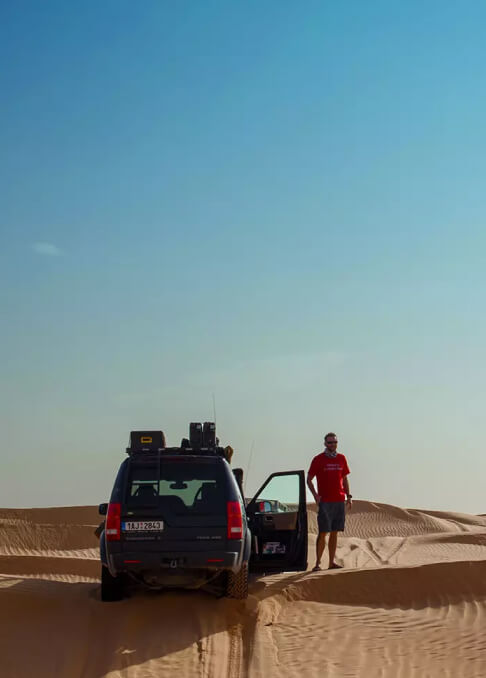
x=280, y=495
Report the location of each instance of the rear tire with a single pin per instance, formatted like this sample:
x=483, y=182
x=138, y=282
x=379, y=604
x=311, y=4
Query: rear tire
x=237, y=584
x=111, y=587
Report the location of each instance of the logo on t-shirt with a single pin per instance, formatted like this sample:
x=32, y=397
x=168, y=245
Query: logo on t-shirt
x=332, y=466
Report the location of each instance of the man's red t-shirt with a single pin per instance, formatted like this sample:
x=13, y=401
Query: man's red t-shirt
x=329, y=473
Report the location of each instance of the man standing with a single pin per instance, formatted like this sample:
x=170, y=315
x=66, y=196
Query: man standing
x=331, y=471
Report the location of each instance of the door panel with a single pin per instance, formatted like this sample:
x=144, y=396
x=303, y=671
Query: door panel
x=281, y=521
x=277, y=517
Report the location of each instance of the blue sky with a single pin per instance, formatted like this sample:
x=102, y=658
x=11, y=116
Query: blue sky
x=279, y=203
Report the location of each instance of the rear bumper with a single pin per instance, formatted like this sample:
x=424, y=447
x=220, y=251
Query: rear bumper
x=136, y=561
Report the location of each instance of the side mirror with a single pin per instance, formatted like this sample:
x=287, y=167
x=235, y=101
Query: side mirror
x=103, y=509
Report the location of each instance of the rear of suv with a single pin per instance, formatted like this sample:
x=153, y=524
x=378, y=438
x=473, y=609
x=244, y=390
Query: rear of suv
x=177, y=519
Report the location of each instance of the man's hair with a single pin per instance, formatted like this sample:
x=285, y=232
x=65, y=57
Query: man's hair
x=328, y=435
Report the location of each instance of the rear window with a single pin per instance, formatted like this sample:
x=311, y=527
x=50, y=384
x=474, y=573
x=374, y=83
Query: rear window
x=182, y=488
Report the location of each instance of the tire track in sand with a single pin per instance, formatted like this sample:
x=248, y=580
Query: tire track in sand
x=235, y=654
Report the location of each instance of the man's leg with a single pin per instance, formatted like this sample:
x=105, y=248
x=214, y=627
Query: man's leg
x=320, y=546
x=332, y=547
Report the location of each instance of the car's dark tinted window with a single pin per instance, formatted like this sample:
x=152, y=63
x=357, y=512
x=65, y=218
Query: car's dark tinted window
x=183, y=488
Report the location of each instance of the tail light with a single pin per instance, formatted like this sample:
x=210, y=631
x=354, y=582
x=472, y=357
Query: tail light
x=113, y=520
x=235, y=520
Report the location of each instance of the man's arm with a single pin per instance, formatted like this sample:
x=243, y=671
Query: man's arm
x=347, y=490
x=310, y=485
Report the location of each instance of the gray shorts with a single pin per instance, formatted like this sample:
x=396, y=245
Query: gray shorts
x=331, y=516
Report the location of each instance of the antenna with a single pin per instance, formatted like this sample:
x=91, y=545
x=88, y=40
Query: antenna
x=214, y=409
x=248, y=467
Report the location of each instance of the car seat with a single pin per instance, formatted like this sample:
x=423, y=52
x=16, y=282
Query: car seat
x=146, y=492
x=209, y=496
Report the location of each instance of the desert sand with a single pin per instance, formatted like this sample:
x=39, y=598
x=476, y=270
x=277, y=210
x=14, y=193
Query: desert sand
x=411, y=601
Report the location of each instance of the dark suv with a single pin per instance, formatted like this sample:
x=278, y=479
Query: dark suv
x=177, y=518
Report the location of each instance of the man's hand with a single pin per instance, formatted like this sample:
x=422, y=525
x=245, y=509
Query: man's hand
x=349, y=504
x=318, y=500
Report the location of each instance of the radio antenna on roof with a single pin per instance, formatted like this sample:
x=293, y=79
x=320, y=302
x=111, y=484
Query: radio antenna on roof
x=248, y=467
x=214, y=409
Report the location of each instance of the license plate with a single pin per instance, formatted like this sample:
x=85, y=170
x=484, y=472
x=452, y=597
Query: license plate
x=143, y=526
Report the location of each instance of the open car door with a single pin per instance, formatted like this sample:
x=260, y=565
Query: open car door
x=277, y=518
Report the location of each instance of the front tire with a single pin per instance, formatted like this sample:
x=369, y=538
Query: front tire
x=111, y=587
x=237, y=584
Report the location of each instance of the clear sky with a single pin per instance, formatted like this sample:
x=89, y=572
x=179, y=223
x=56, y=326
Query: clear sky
x=278, y=203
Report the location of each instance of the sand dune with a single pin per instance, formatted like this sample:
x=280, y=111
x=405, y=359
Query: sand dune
x=411, y=601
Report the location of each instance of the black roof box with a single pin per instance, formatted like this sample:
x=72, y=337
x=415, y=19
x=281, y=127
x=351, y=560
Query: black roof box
x=146, y=441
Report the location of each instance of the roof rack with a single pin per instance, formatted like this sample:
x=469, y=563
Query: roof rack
x=202, y=441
